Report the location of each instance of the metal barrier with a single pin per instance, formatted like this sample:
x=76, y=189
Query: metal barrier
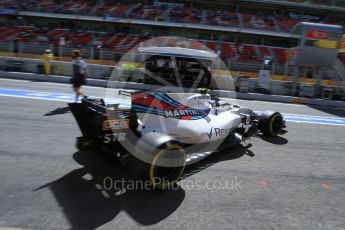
x=280, y=88
x=6, y=46
x=28, y=48
x=306, y=90
x=58, y=51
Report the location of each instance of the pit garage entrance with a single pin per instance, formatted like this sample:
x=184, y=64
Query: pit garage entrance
x=318, y=46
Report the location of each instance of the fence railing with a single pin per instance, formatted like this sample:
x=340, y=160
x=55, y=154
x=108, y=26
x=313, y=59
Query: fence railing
x=58, y=51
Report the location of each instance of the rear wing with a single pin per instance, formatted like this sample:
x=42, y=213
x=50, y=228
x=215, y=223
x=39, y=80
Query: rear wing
x=93, y=116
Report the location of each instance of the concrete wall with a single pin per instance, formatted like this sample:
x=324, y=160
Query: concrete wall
x=96, y=71
x=58, y=68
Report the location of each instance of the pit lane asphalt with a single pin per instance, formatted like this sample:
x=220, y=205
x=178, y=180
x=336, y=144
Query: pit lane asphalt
x=293, y=182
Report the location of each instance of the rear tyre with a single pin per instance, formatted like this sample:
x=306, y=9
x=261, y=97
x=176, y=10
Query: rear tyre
x=271, y=123
x=159, y=177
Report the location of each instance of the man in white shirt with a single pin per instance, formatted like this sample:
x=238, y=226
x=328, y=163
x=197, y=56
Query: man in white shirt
x=79, y=73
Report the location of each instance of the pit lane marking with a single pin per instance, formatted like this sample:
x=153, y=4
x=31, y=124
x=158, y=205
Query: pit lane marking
x=1, y=228
x=314, y=119
x=51, y=96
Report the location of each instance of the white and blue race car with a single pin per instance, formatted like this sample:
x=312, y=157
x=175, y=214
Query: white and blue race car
x=162, y=132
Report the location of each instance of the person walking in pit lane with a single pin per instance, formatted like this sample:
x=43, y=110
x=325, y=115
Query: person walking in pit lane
x=79, y=73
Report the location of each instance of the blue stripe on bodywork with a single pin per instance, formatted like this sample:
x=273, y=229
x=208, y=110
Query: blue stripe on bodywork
x=163, y=97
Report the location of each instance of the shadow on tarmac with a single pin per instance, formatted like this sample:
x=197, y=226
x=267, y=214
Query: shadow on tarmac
x=278, y=140
x=93, y=195
x=224, y=155
x=58, y=111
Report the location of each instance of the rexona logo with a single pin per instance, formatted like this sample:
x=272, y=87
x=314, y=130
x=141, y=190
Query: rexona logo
x=115, y=124
x=184, y=112
x=220, y=132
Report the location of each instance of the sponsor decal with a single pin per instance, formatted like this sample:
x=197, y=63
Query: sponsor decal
x=115, y=124
x=113, y=137
x=316, y=34
x=210, y=133
x=220, y=132
x=295, y=53
x=183, y=112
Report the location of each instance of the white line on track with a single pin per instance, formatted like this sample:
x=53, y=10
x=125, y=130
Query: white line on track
x=313, y=116
x=313, y=122
x=277, y=103
x=50, y=83
x=239, y=101
x=28, y=97
x=14, y=80
x=66, y=85
x=47, y=83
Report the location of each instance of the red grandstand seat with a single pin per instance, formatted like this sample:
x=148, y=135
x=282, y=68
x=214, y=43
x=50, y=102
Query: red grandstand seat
x=195, y=45
x=280, y=54
x=286, y=25
x=171, y=42
x=128, y=43
x=227, y=50
x=81, y=39
x=248, y=54
x=156, y=41
x=211, y=45
x=264, y=51
x=104, y=38
x=9, y=32
x=115, y=41
x=56, y=33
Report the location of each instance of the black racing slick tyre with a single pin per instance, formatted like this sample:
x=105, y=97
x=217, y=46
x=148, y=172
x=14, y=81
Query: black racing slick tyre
x=86, y=143
x=271, y=123
x=159, y=176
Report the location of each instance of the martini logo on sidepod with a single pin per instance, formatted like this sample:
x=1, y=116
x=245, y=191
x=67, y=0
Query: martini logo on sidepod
x=183, y=112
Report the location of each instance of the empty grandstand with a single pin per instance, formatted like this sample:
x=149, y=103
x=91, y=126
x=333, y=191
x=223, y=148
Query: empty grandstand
x=244, y=33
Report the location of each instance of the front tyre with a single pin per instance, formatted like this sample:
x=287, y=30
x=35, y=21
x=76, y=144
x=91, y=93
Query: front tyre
x=271, y=123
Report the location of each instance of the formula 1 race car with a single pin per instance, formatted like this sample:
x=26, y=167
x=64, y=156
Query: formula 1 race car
x=163, y=132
